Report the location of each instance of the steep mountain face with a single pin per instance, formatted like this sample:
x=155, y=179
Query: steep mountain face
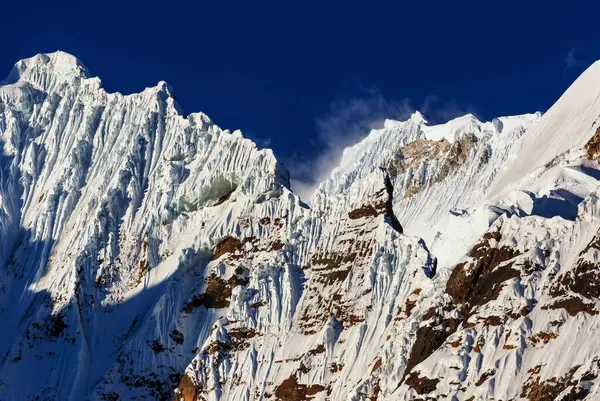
x=147, y=255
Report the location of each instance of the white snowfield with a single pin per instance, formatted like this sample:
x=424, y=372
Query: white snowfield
x=148, y=255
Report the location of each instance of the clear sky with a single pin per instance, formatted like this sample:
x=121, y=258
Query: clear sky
x=306, y=78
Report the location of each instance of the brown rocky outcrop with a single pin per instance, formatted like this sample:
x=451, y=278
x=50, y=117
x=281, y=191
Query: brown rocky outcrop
x=291, y=390
x=592, y=147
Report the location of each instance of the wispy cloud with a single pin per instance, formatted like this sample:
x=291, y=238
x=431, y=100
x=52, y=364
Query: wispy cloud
x=261, y=142
x=347, y=121
x=570, y=60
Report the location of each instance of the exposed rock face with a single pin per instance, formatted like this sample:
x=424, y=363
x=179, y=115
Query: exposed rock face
x=144, y=255
x=424, y=162
x=290, y=389
x=479, y=282
x=592, y=147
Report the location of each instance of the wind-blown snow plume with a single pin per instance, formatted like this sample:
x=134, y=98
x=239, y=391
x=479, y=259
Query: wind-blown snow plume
x=347, y=121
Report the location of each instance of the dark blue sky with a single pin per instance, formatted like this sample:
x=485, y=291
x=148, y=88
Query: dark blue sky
x=296, y=74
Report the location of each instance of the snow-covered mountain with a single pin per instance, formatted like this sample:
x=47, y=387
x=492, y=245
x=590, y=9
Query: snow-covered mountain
x=148, y=255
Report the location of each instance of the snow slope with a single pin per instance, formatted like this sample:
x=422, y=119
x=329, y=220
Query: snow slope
x=148, y=255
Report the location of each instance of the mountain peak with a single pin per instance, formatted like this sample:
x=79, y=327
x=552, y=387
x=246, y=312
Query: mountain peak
x=44, y=70
x=418, y=118
x=145, y=254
